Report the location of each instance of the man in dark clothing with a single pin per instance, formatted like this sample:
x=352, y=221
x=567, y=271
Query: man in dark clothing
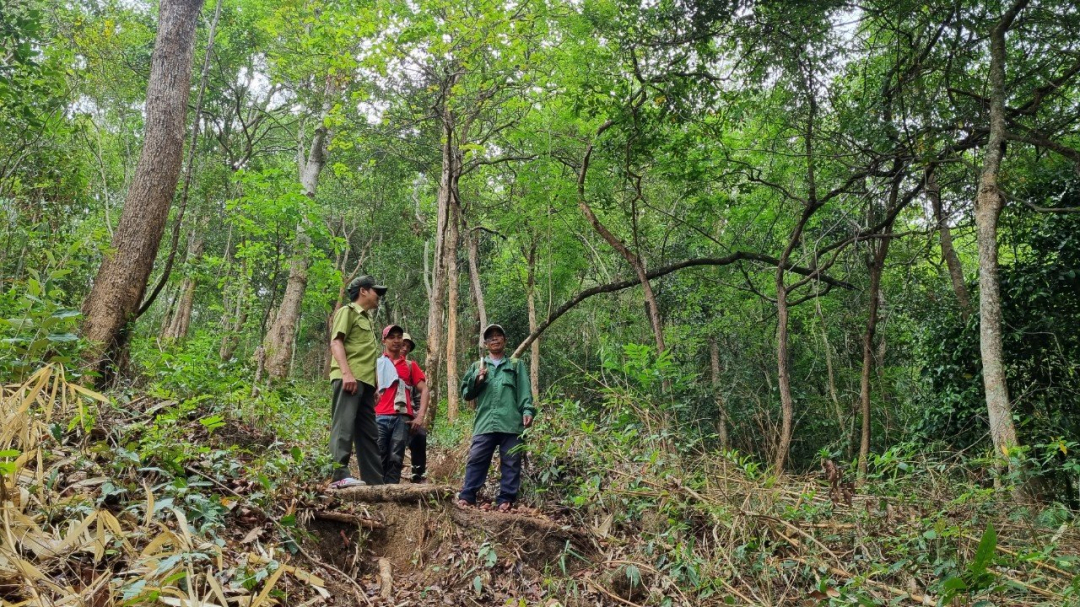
x=504, y=408
x=418, y=442
x=352, y=380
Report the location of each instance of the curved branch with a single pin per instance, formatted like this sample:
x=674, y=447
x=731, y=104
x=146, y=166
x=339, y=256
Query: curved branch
x=619, y=285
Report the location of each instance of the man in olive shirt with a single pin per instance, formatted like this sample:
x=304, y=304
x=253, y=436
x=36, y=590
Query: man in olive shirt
x=352, y=379
x=504, y=408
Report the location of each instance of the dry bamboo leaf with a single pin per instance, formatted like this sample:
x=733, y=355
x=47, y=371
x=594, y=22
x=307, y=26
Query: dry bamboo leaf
x=89, y=393
x=114, y=525
x=149, y=505
x=216, y=588
x=175, y=602
x=274, y=577
x=156, y=544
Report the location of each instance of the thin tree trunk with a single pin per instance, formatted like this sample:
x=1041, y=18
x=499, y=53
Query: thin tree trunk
x=829, y=369
x=988, y=206
x=952, y=260
x=232, y=326
x=453, y=397
x=787, y=403
x=534, y=357
x=181, y=318
x=877, y=266
x=474, y=279
x=278, y=344
x=721, y=409
x=121, y=280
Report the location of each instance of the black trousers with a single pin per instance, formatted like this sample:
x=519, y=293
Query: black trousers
x=418, y=455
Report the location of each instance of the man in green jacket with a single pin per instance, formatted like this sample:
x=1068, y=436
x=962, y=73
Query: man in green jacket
x=504, y=408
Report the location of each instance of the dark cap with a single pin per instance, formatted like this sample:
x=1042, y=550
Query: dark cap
x=365, y=282
x=405, y=337
x=386, y=331
x=493, y=327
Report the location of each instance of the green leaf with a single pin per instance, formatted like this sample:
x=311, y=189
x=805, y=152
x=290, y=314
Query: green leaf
x=212, y=422
x=985, y=553
x=478, y=584
x=63, y=337
x=954, y=584
x=297, y=454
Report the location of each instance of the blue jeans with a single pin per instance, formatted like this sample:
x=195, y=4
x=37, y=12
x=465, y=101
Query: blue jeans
x=476, y=470
x=393, y=437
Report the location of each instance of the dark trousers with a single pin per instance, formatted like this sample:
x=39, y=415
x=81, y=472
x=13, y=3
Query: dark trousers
x=418, y=455
x=353, y=423
x=393, y=437
x=483, y=447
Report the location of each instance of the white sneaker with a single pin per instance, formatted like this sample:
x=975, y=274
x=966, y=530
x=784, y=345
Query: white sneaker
x=347, y=482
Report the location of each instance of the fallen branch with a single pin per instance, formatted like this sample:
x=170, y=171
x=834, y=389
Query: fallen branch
x=352, y=519
x=395, y=493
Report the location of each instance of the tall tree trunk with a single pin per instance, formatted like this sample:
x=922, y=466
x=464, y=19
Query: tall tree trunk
x=436, y=300
x=279, y=339
x=988, y=206
x=787, y=402
x=453, y=396
x=121, y=280
x=877, y=266
x=810, y=206
x=721, y=409
x=534, y=357
x=952, y=260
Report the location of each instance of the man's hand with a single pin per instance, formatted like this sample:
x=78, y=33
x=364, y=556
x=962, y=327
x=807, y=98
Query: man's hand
x=417, y=424
x=348, y=383
x=527, y=420
x=481, y=375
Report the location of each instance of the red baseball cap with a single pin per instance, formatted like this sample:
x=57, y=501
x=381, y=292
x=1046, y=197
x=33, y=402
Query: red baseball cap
x=390, y=328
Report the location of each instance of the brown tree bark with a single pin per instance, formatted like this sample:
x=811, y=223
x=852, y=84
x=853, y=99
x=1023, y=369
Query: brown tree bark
x=279, y=340
x=181, y=318
x=436, y=300
x=988, y=205
x=952, y=260
x=121, y=280
x=880, y=250
x=534, y=356
x=453, y=397
x=474, y=280
x=721, y=408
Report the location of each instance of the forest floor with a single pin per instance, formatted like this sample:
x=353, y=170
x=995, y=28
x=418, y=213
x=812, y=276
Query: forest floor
x=182, y=503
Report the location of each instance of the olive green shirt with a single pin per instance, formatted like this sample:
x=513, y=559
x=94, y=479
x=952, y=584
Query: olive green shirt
x=355, y=327
x=502, y=399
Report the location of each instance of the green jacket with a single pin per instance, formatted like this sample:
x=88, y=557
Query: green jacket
x=502, y=399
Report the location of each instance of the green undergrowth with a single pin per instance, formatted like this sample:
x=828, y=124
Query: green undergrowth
x=679, y=522
x=671, y=520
